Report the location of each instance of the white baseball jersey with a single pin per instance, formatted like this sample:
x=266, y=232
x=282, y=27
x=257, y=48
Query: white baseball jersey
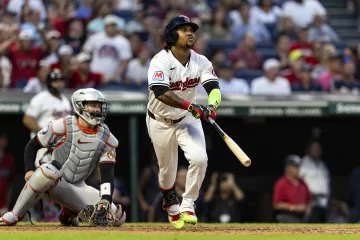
x=107, y=52
x=166, y=70
x=45, y=107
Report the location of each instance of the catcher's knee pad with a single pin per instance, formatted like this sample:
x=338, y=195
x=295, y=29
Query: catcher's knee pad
x=43, y=179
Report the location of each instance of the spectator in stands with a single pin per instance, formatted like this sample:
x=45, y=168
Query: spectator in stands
x=148, y=188
x=266, y=12
x=24, y=58
x=75, y=34
x=332, y=73
x=245, y=55
x=217, y=57
x=218, y=28
x=325, y=52
x=54, y=40
x=157, y=213
x=286, y=26
x=121, y=195
x=291, y=198
x=229, y=83
x=282, y=50
x=137, y=70
x=306, y=83
x=5, y=72
x=293, y=74
x=302, y=42
x=247, y=24
x=59, y=14
x=111, y=52
x=347, y=84
x=15, y=6
x=38, y=83
x=241, y=16
x=202, y=9
x=136, y=24
x=65, y=63
x=7, y=174
x=100, y=11
x=320, y=31
x=83, y=77
x=31, y=21
x=302, y=12
x=271, y=83
x=224, y=199
x=200, y=46
x=316, y=175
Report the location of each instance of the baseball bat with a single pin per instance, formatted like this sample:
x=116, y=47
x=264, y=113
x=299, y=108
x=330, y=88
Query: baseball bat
x=238, y=152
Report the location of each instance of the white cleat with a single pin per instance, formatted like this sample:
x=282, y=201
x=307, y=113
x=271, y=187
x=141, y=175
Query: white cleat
x=9, y=219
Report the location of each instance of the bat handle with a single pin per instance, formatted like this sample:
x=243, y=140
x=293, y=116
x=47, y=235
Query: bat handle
x=211, y=120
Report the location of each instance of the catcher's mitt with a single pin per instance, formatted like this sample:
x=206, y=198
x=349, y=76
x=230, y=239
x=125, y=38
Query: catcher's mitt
x=98, y=215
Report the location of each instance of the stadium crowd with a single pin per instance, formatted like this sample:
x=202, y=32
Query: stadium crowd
x=259, y=47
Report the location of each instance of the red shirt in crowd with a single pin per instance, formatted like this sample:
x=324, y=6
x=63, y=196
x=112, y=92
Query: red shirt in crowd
x=306, y=48
x=24, y=64
x=92, y=81
x=253, y=61
x=290, y=76
x=7, y=171
x=290, y=193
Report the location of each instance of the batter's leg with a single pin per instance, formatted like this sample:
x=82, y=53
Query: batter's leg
x=77, y=196
x=166, y=149
x=191, y=139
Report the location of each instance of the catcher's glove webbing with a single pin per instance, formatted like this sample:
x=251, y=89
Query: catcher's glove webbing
x=98, y=215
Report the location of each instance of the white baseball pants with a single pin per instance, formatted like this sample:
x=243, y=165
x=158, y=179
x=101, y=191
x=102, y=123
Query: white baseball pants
x=189, y=135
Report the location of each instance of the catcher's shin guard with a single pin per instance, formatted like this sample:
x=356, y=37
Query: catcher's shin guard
x=45, y=177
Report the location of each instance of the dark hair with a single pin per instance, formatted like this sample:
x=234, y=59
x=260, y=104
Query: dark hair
x=244, y=3
x=310, y=143
x=261, y=3
x=212, y=21
x=216, y=51
x=68, y=24
x=282, y=34
x=167, y=46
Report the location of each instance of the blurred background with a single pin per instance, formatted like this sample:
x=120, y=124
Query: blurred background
x=289, y=73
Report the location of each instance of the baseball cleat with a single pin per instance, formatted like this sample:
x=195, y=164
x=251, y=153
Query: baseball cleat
x=177, y=221
x=8, y=219
x=189, y=217
x=68, y=217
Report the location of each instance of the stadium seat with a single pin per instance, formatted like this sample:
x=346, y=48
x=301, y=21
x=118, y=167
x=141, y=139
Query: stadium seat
x=124, y=14
x=267, y=53
x=249, y=75
x=265, y=45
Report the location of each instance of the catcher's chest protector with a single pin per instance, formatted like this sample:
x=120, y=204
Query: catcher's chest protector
x=80, y=152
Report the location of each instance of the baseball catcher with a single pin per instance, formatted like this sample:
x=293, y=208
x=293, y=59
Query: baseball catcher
x=76, y=144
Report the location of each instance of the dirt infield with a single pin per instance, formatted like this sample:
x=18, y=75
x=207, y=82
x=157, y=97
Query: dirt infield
x=199, y=229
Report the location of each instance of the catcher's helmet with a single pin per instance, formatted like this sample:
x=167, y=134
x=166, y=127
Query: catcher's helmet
x=170, y=30
x=81, y=97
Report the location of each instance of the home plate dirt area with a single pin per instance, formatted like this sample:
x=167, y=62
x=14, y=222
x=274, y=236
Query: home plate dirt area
x=211, y=229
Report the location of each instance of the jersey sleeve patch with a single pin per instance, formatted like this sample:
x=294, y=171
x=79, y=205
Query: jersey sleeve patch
x=158, y=76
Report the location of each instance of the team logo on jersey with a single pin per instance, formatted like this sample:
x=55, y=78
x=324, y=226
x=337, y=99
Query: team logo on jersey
x=158, y=76
x=180, y=85
x=111, y=154
x=44, y=130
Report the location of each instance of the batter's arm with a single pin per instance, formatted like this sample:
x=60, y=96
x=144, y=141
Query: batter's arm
x=171, y=99
x=31, y=123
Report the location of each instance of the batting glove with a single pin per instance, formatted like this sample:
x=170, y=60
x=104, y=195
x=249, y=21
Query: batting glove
x=197, y=110
x=209, y=112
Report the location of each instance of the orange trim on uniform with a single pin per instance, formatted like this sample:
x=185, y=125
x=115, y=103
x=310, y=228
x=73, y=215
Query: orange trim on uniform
x=58, y=134
x=66, y=134
x=39, y=141
x=47, y=176
x=88, y=130
x=113, y=162
x=33, y=188
x=107, y=140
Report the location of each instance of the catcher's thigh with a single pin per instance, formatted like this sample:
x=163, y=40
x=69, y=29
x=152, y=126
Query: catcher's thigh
x=75, y=196
x=43, y=179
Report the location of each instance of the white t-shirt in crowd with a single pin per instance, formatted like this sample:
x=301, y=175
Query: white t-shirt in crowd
x=235, y=85
x=303, y=14
x=261, y=17
x=262, y=86
x=137, y=71
x=107, y=52
x=45, y=107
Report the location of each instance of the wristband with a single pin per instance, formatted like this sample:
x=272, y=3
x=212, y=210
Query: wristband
x=185, y=105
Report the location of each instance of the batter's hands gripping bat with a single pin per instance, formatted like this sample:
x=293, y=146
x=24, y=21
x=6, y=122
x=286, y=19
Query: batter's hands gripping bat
x=239, y=153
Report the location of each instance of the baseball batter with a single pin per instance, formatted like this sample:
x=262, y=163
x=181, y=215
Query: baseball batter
x=173, y=117
x=77, y=144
